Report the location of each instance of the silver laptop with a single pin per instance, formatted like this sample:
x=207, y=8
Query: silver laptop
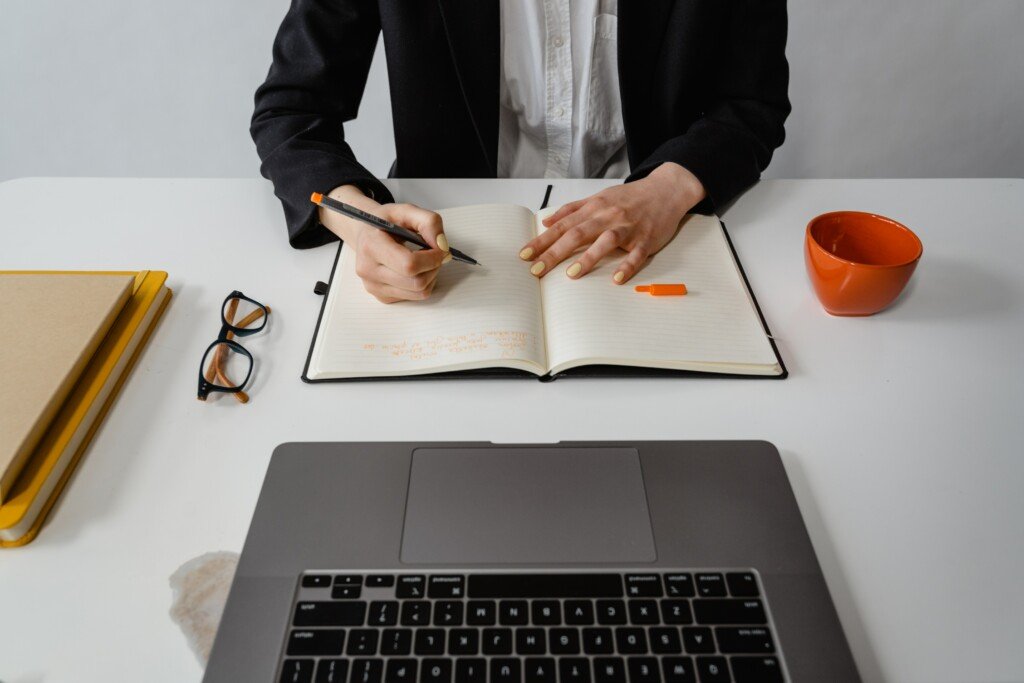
x=632, y=562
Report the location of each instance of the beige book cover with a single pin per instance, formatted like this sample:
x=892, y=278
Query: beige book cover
x=50, y=325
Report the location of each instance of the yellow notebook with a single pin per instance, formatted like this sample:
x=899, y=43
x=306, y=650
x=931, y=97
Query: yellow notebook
x=51, y=324
x=51, y=464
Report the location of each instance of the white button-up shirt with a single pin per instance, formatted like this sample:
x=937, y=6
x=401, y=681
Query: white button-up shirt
x=560, y=111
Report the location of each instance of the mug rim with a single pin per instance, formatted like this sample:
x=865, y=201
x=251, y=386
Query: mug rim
x=875, y=216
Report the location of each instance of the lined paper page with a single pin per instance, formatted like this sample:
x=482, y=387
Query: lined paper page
x=477, y=317
x=714, y=328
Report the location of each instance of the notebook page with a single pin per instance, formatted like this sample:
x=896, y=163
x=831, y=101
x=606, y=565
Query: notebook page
x=477, y=316
x=714, y=328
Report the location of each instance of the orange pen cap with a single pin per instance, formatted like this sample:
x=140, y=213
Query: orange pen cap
x=662, y=290
x=316, y=198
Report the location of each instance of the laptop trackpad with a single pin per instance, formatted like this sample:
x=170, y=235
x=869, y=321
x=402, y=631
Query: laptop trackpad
x=526, y=505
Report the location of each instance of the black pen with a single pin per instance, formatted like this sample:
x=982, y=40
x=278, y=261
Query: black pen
x=381, y=224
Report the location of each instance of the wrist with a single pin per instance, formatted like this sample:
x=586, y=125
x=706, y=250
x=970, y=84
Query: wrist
x=681, y=185
x=347, y=229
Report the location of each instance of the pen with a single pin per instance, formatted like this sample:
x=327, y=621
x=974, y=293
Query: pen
x=381, y=224
x=662, y=290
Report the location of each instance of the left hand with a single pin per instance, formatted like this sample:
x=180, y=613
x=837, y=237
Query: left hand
x=639, y=217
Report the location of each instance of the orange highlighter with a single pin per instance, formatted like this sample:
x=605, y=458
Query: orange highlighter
x=663, y=290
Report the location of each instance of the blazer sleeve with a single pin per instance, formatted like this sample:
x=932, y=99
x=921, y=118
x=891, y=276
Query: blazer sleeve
x=322, y=56
x=743, y=122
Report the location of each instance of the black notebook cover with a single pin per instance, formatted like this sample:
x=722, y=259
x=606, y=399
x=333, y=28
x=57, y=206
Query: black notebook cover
x=587, y=371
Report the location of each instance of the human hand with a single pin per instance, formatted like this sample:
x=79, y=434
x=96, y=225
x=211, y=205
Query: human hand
x=639, y=217
x=390, y=271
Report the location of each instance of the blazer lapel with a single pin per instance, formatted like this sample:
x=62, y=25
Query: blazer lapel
x=472, y=28
x=642, y=27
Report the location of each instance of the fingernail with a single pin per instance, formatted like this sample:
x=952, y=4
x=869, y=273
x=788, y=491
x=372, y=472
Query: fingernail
x=619, y=276
x=446, y=259
x=442, y=242
x=538, y=268
x=574, y=269
x=526, y=254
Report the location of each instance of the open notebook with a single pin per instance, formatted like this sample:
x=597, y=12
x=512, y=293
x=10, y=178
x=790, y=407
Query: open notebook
x=498, y=320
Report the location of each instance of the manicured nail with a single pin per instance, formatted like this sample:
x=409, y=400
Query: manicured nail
x=526, y=254
x=442, y=243
x=619, y=276
x=446, y=259
x=538, y=268
x=574, y=269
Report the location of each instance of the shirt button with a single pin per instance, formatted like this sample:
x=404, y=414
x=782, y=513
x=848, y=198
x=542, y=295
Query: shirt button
x=558, y=42
x=559, y=113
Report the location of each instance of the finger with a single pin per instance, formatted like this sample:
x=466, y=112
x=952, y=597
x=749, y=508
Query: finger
x=427, y=223
x=383, y=249
x=539, y=244
x=632, y=264
x=563, y=211
x=388, y=294
x=607, y=242
x=566, y=245
x=417, y=283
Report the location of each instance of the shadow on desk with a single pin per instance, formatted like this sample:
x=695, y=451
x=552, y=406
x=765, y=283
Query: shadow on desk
x=945, y=288
x=853, y=625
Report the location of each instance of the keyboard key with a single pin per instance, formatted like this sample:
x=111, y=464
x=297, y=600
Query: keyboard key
x=573, y=670
x=367, y=670
x=448, y=613
x=742, y=585
x=579, y=612
x=383, y=613
x=348, y=580
x=400, y=671
x=631, y=641
x=346, y=592
x=411, y=586
x=564, y=641
x=643, y=586
x=598, y=641
x=756, y=670
x=678, y=670
x=297, y=671
x=481, y=613
x=436, y=671
x=463, y=641
x=609, y=670
x=447, y=587
x=531, y=641
x=679, y=586
x=545, y=586
x=732, y=640
x=362, y=642
x=396, y=641
x=470, y=671
x=380, y=581
x=513, y=612
x=326, y=641
x=546, y=613
x=710, y=585
x=415, y=613
x=643, y=612
x=643, y=670
x=429, y=641
x=332, y=671
x=506, y=671
x=698, y=640
x=497, y=641
x=329, y=614
x=729, y=612
x=539, y=670
x=665, y=641
x=611, y=612
x=713, y=670
x=676, y=612
x=316, y=581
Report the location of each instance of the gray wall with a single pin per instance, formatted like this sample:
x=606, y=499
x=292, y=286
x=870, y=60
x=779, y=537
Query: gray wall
x=881, y=88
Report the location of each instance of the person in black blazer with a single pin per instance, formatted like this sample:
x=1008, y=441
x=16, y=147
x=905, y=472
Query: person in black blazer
x=702, y=86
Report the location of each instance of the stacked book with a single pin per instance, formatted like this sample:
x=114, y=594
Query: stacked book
x=67, y=343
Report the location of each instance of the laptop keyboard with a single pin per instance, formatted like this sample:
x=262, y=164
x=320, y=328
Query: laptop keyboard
x=686, y=626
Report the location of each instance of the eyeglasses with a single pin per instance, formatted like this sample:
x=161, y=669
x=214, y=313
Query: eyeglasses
x=225, y=358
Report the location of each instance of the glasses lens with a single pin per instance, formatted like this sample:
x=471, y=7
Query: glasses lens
x=226, y=367
x=242, y=313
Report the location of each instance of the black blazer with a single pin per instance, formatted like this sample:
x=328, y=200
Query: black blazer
x=703, y=83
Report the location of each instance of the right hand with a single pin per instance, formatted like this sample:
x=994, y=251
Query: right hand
x=390, y=270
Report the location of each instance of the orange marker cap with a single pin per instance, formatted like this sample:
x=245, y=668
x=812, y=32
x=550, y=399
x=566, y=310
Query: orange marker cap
x=663, y=290
x=316, y=198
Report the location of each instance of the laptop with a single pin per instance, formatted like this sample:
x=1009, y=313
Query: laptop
x=585, y=562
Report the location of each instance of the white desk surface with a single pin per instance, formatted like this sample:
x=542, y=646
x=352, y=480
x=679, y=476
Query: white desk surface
x=902, y=433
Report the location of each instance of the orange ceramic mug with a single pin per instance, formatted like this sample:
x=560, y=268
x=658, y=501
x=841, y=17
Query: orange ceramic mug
x=859, y=262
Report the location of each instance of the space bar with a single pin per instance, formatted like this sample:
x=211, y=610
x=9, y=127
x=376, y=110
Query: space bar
x=545, y=586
